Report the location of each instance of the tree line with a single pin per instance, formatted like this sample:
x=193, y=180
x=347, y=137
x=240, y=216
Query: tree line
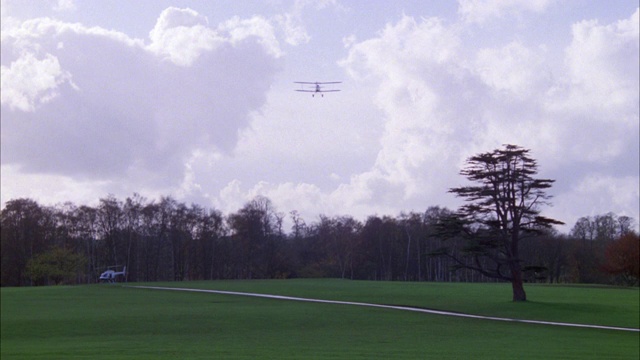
x=499, y=234
x=167, y=240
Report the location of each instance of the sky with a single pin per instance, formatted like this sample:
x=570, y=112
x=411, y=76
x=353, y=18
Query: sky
x=196, y=100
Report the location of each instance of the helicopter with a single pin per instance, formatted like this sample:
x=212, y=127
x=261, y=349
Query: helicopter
x=316, y=87
x=111, y=276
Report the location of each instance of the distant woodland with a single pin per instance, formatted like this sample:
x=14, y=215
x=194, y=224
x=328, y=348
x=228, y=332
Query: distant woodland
x=167, y=240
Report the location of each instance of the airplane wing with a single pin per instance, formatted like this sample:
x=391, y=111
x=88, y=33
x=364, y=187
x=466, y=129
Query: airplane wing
x=317, y=82
x=326, y=90
x=309, y=91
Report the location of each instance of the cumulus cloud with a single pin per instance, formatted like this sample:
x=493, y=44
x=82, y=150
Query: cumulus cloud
x=97, y=104
x=65, y=5
x=481, y=11
x=595, y=192
x=598, y=63
x=444, y=101
x=256, y=27
x=514, y=68
x=417, y=67
x=182, y=35
x=292, y=22
x=293, y=27
x=597, y=102
x=29, y=82
x=196, y=109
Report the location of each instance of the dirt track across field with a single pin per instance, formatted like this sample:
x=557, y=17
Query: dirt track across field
x=394, y=307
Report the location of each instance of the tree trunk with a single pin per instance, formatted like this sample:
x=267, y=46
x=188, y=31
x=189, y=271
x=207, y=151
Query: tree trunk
x=516, y=283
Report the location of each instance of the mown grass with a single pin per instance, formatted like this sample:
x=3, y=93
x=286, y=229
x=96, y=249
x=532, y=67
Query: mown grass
x=102, y=321
x=578, y=304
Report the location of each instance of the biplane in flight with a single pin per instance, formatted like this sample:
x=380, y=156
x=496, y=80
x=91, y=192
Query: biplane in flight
x=316, y=87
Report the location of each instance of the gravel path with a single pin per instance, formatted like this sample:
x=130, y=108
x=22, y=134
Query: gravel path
x=394, y=307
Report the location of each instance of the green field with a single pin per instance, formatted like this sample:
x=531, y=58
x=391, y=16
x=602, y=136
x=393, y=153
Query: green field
x=113, y=322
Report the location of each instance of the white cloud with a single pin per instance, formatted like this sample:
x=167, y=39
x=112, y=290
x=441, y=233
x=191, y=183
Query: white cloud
x=128, y=114
x=293, y=28
x=182, y=35
x=598, y=61
x=596, y=104
x=48, y=188
x=597, y=194
x=514, y=68
x=202, y=111
x=302, y=197
x=29, y=82
x=402, y=47
x=292, y=22
x=256, y=27
x=481, y=11
x=444, y=102
x=65, y=5
x=415, y=66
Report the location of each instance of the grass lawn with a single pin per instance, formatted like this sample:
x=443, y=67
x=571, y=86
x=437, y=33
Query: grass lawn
x=112, y=322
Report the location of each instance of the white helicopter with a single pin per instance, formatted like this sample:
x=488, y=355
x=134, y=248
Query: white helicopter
x=111, y=276
x=316, y=87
